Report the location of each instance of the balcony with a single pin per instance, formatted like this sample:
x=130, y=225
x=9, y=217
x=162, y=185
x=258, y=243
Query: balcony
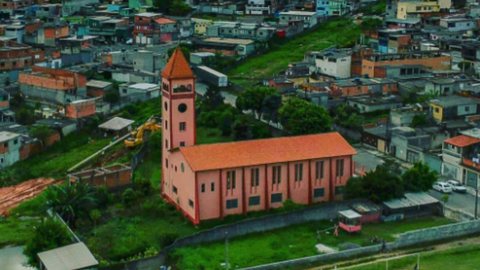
x=471, y=163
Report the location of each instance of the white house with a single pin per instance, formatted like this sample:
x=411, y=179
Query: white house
x=309, y=18
x=335, y=62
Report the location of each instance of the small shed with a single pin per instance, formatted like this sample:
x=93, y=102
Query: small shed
x=116, y=126
x=370, y=212
x=71, y=257
x=349, y=221
x=411, y=205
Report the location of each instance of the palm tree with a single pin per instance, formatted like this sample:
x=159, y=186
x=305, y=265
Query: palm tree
x=71, y=200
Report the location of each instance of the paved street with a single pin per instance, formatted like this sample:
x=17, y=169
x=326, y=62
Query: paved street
x=459, y=201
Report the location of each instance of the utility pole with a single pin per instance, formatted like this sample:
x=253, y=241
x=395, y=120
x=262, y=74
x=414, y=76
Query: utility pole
x=476, y=197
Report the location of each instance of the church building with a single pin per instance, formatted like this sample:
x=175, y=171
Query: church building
x=211, y=181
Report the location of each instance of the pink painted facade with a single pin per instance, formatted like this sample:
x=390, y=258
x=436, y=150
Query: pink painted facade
x=213, y=181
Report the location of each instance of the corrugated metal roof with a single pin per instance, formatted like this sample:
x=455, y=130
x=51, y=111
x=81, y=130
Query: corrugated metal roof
x=411, y=200
x=74, y=256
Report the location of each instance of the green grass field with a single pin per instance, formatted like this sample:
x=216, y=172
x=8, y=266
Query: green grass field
x=55, y=161
x=456, y=258
x=339, y=32
x=16, y=231
x=289, y=243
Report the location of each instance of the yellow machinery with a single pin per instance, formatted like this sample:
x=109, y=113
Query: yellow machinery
x=136, y=137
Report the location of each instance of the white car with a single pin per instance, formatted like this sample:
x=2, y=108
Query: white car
x=457, y=187
x=443, y=187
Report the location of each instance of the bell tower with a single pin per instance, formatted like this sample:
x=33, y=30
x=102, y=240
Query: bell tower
x=178, y=108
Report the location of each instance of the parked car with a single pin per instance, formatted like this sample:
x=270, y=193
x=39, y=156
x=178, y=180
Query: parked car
x=443, y=187
x=457, y=187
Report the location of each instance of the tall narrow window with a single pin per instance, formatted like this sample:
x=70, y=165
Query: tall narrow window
x=298, y=172
x=203, y=188
x=340, y=167
x=231, y=181
x=255, y=177
x=183, y=126
x=212, y=186
x=276, y=174
x=319, y=170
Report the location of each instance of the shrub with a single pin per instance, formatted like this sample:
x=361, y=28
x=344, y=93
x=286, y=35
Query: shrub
x=129, y=196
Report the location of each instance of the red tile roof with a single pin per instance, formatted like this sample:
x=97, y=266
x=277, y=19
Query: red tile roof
x=266, y=151
x=164, y=21
x=177, y=66
x=462, y=141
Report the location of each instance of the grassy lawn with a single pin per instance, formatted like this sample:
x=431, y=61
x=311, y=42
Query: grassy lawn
x=458, y=258
x=55, y=161
x=288, y=243
x=340, y=32
x=16, y=231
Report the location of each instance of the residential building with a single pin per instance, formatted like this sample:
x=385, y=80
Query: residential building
x=226, y=46
x=414, y=145
x=16, y=31
x=409, y=9
x=373, y=65
x=52, y=86
x=363, y=86
x=309, y=18
x=76, y=50
x=335, y=63
x=461, y=160
x=153, y=28
x=225, y=29
x=96, y=88
x=377, y=137
x=458, y=24
x=47, y=34
x=200, y=26
x=80, y=108
x=260, y=7
x=205, y=182
x=70, y=7
x=14, y=56
x=9, y=148
x=108, y=29
x=336, y=7
x=368, y=104
x=139, y=91
x=442, y=86
x=453, y=108
x=12, y=5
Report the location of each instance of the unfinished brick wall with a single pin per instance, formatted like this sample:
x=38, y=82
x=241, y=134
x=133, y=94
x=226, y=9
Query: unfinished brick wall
x=112, y=177
x=55, y=79
x=80, y=109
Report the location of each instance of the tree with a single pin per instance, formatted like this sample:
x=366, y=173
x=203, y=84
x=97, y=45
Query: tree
x=212, y=98
x=49, y=234
x=241, y=128
x=302, y=117
x=418, y=120
x=419, y=178
x=112, y=96
x=71, y=200
x=95, y=216
x=370, y=24
x=379, y=185
x=270, y=107
x=254, y=99
x=25, y=116
x=41, y=132
x=226, y=121
x=348, y=117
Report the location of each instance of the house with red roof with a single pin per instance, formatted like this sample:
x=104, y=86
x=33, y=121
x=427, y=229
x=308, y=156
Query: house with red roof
x=461, y=157
x=212, y=181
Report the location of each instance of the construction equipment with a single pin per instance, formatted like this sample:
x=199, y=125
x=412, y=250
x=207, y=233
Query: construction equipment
x=137, y=136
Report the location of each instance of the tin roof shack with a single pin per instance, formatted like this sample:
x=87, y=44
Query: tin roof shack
x=226, y=46
x=370, y=212
x=363, y=86
x=377, y=137
x=52, y=86
x=63, y=126
x=368, y=104
x=139, y=91
x=96, y=88
x=71, y=257
x=113, y=177
x=411, y=205
x=116, y=126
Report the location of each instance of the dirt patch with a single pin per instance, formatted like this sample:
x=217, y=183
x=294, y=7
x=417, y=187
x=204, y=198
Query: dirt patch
x=12, y=196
